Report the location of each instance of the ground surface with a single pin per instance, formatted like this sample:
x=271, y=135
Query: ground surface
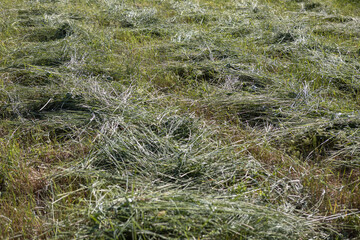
x=169, y=119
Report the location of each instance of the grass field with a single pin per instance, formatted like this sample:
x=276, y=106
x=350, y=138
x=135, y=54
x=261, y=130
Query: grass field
x=179, y=119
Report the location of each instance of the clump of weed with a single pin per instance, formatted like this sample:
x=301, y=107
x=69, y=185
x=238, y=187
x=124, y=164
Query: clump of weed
x=250, y=110
x=313, y=144
x=196, y=72
x=39, y=11
x=45, y=34
x=325, y=143
x=311, y=6
x=50, y=54
x=338, y=19
x=31, y=77
x=238, y=32
x=244, y=82
x=344, y=85
x=284, y=37
x=2, y=183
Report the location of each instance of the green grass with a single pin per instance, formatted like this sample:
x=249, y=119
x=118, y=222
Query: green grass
x=179, y=119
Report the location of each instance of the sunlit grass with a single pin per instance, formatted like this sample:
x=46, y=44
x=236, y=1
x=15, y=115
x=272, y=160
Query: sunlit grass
x=179, y=119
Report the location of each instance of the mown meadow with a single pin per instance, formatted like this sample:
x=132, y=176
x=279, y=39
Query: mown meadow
x=179, y=119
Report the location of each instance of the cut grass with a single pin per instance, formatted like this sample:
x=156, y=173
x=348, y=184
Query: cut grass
x=179, y=119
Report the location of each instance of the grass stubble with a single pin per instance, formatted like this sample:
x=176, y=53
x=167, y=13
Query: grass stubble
x=179, y=119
